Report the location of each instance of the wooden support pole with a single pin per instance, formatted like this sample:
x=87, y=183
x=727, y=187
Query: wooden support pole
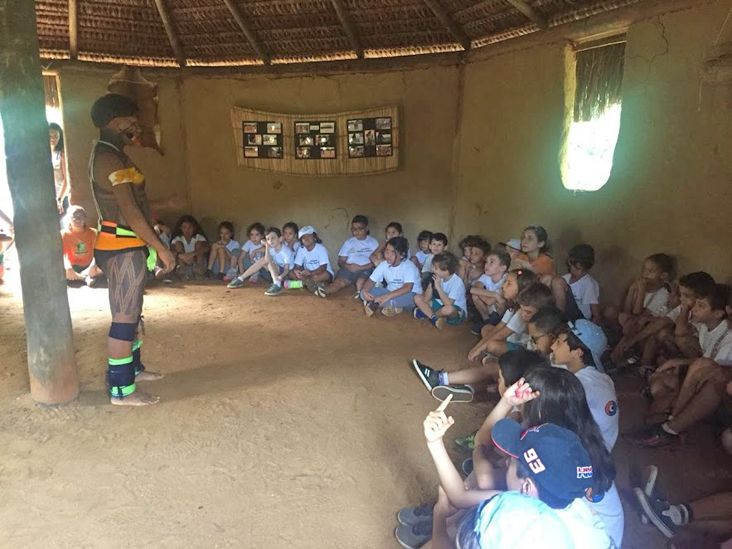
x=253, y=42
x=51, y=361
x=447, y=21
x=73, y=30
x=340, y=10
x=530, y=12
x=172, y=37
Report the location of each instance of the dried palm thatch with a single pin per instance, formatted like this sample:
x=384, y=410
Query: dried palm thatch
x=599, y=80
x=256, y=32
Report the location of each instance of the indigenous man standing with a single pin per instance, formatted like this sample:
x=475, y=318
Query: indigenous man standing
x=126, y=244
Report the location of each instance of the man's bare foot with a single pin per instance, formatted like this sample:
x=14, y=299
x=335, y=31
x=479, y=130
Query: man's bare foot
x=148, y=376
x=138, y=398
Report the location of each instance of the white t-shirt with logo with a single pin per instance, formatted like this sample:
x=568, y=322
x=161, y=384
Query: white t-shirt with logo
x=717, y=344
x=284, y=257
x=491, y=286
x=421, y=256
x=358, y=251
x=189, y=246
x=455, y=290
x=657, y=302
x=397, y=276
x=603, y=403
x=586, y=292
x=233, y=245
x=314, y=258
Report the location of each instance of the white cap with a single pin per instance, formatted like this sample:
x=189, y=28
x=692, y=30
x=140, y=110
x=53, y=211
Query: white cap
x=514, y=243
x=307, y=229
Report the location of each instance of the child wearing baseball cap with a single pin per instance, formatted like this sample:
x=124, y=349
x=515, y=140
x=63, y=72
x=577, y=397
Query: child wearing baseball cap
x=312, y=264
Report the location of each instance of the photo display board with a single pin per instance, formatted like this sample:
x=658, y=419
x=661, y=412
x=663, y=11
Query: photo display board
x=262, y=139
x=315, y=140
x=317, y=144
x=369, y=137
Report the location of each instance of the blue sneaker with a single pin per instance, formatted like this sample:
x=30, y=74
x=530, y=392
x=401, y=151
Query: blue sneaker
x=274, y=289
x=236, y=283
x=413, y=536
x=409, y=516
x=419, y=315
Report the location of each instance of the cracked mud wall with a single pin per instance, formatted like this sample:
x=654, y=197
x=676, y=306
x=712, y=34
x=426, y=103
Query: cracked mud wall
x=671, y=184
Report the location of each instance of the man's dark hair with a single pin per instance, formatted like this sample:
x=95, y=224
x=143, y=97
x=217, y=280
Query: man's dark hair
x=111, y=106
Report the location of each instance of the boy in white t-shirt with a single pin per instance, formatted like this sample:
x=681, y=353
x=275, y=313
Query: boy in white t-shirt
x=438, y=244
x=312, y=264
x=354, y=258
x=486, y=291
x=578, y=294
x=400, y=278
x=701, y=392
x=443, y=301
x=273, y=266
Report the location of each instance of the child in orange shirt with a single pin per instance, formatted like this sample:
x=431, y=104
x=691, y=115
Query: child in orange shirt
x=78, y=248
x=535, y=243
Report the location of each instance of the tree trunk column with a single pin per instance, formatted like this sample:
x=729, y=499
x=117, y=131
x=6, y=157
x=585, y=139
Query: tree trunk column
x=51, y=361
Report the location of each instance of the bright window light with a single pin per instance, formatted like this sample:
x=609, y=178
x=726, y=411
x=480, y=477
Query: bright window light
x=589, y=150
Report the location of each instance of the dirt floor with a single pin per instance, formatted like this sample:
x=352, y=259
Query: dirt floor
x=284, y=422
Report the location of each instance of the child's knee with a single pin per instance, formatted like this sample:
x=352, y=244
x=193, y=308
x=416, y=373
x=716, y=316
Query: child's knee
x=496, y=347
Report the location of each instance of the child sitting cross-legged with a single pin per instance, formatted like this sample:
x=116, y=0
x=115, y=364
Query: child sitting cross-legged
x=273, y=266
x=400, y=278
x=190, y=247
x=475, y=248
x=252, y=250
x=353, y=258
x=438, y=244
x=443, y=301
x=460, y=383
x=577, y=293
x=486, y=291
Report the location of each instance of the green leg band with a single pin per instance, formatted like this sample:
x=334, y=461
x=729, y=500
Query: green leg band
x=121, y=376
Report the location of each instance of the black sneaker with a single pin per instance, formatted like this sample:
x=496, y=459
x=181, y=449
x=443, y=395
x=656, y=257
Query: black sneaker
x=460, y=393
x=409, y=516
x=415, y=535
x=429, y=376
x=477, y=327
x=657, y=512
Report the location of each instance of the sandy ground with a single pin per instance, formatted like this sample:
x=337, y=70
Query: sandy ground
x=284, y=422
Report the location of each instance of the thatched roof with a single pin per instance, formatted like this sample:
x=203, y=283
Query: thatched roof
x=253, y=32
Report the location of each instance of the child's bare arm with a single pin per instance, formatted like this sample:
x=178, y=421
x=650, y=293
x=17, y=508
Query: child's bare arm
x=596, y=313
x=683, y=326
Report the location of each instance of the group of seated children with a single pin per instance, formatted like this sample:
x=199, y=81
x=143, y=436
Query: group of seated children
x=539, y=327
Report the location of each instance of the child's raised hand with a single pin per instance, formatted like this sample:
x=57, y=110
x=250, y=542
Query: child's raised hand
x=437, y=281
x=437, y=423
x=519, y=393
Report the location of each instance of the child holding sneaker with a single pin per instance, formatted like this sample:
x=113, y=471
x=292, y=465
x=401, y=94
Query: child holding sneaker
x=578, y=294
x=400, y=277
x=486, y=291
x=443, y=301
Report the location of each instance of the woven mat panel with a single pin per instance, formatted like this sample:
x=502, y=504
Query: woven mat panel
x=342, y=164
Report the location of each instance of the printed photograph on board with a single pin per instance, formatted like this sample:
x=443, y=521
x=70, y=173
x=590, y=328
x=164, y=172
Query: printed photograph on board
x=327, y=152
x=324, y=140
x=250, y=127
x=355, y=138
x=303, y=152
x=327, y=127
x=383, y=123
x=274, y=152
x=251, y=152
x=383, y=150
x=370, y=137
x=274, y=127
x=302, y=127
x=355, y=125
x=306, y=141
x=253, y=139
x=383, y=138
x=355, y=152
x=268, y=139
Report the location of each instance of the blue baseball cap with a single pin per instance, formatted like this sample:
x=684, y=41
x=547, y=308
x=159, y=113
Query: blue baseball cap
x=592, y=337
x=553, y=456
